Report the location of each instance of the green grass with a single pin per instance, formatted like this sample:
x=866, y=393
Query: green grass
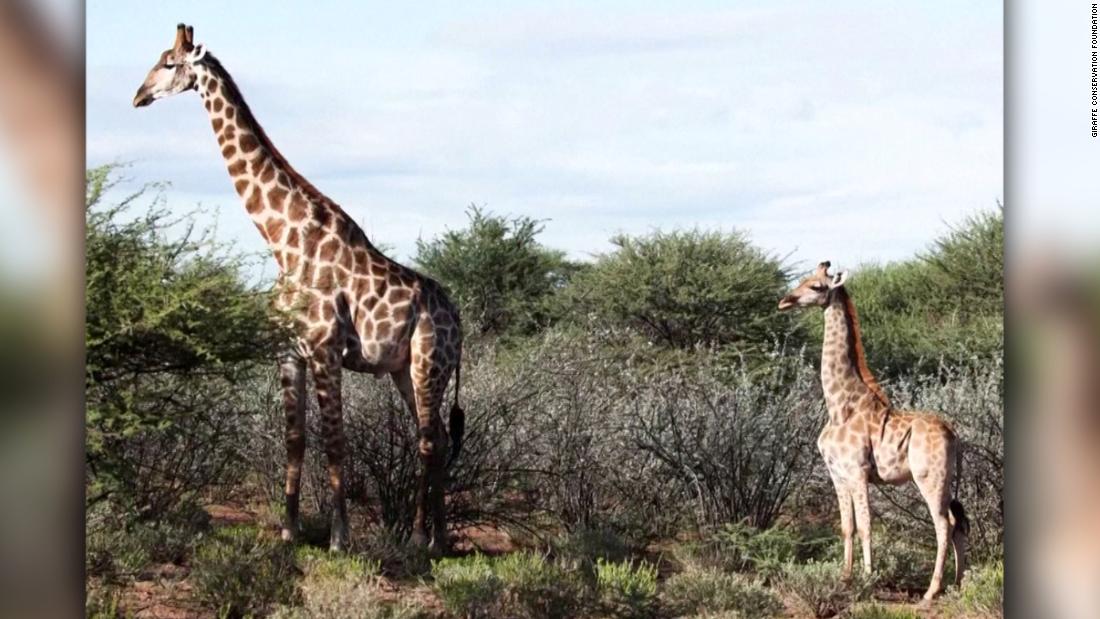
x=982, y=591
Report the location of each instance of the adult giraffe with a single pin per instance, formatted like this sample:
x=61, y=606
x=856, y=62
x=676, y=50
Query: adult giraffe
x=351, y=306
x=867, y=441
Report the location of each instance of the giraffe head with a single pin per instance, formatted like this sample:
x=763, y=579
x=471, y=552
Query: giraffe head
x=815, y=290
x=175, y=70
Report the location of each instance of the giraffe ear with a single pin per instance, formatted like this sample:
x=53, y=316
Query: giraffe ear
x=839, y=279
x=196, y=54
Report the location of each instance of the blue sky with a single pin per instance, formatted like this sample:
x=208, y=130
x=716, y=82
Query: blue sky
x=849, y=131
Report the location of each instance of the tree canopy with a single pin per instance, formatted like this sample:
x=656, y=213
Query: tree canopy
x=497, y=271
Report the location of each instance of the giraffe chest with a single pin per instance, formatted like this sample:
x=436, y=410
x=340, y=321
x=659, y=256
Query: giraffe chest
x=845, y=449
x=858, y=450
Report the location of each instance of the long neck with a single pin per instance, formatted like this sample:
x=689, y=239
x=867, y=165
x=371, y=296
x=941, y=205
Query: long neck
x=845, y=377
x=286, y=208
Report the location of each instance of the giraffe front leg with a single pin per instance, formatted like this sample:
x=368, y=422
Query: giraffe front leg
x=326, y=378
x=292, y=377
x=844, y=500
x=863, y=521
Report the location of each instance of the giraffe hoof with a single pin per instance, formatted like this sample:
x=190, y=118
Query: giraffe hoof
x=338, y=543
x=437, y=548
x=418, y=539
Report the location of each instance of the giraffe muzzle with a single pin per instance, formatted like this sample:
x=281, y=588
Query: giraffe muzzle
x=142, y=98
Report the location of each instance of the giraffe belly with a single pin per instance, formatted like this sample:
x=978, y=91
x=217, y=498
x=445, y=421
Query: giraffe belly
x=375, y=358
x=892, y=468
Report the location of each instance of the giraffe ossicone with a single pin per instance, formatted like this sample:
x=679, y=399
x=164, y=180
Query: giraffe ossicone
x=866, y=441
x=350, y=306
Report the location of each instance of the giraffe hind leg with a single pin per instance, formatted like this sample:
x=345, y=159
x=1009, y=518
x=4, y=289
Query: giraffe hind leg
x=933, y=487
x=402, y=379
x=327, y=380
x=292, y=377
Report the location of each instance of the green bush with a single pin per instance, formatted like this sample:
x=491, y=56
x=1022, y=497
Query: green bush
x=627, y=590
x=497, y=272
x=580, y=549
x=348, y=599
x=982, y=591
x=102, y=603
x=321, y=564
x=711, y=591
x=468, y=586
x=879, y=611
x=536, y=588
x=946, y=304
x=239, y=572
x=738, y=547
x=902, y=565
x=118, y=546
x=684, y=289
x=517, y=585
x=821, y=589
x=172, y=333
x=396, y=557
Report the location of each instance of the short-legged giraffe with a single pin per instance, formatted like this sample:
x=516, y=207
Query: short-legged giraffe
x=351, y=306
x=866, y=441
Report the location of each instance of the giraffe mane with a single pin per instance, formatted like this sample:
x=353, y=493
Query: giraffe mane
x=856, y=348
x=233, y=92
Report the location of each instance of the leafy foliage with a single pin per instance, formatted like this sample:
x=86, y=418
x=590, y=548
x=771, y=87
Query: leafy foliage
x=521, y=584
x=821, y=589
x=537, y=588
x=172, y=331
x=241, y=572
x=626, y=589
x=468, y=587
x=878, y=611
x=497, y=272
x=944, y=304
x=684, y=289
x=982, y=591
x=712, y=591
x=738, y=547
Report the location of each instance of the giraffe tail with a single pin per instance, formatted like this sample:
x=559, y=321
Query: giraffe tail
x=456, y=421
x=958, y=517
x=956, y=512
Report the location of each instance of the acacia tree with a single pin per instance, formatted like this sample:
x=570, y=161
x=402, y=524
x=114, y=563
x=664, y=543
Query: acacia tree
x=498, y=272
x=686, y=288
x=171, y=333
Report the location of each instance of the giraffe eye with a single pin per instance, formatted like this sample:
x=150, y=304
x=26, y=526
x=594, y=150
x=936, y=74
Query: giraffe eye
x=818, y=287
x=169, y=64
